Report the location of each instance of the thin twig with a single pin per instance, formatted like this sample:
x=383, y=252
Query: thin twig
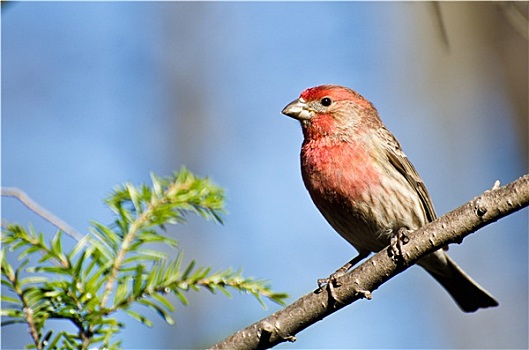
x=441, y=27
x=40, y=211
x=32, y=327
x=28, y=311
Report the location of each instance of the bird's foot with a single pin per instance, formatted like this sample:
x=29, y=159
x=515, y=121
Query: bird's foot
x=330, y=283
x=396, y=242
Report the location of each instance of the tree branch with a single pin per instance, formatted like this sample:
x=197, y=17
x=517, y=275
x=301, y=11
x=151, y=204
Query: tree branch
x=451, y=228
x=39, y=210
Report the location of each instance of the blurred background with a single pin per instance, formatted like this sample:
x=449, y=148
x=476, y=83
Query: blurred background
x=96, y=94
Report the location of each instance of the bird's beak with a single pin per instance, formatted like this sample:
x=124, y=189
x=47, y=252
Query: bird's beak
x=297, y=109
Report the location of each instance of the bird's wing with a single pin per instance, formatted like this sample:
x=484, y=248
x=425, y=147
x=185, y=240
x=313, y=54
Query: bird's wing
x=399, y=160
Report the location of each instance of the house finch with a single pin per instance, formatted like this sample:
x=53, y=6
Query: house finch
x=364, y=185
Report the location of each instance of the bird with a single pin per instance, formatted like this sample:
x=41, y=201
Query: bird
x=365, y=186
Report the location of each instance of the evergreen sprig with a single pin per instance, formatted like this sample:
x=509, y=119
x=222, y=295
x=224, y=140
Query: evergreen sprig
x=115, y=266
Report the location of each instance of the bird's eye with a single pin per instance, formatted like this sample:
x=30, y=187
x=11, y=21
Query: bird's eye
x=326, y=102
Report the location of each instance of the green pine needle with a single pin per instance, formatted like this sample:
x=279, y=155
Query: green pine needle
x=115, y=267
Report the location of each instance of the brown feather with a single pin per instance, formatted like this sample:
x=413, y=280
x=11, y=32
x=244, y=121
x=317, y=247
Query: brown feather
x=401, y=162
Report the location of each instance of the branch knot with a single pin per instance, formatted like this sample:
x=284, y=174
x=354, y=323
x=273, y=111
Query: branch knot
x=480, y=208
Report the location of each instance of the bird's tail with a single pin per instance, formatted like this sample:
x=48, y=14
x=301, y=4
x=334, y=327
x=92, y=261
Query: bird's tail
x=469, y=295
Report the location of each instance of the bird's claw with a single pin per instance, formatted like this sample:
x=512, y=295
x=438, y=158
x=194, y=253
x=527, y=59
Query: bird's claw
x=331, y=280
x=398, y=240
x=330, y=283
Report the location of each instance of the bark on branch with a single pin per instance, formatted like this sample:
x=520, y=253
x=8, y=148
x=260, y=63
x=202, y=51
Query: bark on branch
x=451, y=228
